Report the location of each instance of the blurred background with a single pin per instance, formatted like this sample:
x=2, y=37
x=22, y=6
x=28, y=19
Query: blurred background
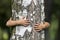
x=55, y=22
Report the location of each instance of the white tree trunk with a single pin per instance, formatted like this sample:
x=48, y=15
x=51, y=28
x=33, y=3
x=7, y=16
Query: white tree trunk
x=32, y=10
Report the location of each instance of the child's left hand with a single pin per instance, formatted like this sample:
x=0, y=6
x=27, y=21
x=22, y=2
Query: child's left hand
x=40, y=26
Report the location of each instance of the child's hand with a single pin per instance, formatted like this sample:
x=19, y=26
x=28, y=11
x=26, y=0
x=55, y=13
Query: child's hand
x=24, y=22
x=39, y=27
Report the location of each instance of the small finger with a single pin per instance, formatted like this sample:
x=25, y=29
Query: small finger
x=25, y=25
x=35, y=26
x=27, y=21
x=37, y=30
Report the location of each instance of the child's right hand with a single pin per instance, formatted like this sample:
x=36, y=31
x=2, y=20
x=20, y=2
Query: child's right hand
x=24, y=22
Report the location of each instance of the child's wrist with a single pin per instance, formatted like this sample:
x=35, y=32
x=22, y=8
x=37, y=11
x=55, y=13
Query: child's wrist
x=47, y=24
x=16, y=22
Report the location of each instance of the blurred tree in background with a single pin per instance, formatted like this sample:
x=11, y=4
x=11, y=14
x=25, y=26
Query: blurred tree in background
x=5, y=11
x=57, y=9
x=55, y=25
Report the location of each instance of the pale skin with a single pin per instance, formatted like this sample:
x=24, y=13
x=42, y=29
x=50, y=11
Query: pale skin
x=37, y=27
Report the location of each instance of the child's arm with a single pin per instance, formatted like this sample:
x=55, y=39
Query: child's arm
x=23, y=22
x=39, y=27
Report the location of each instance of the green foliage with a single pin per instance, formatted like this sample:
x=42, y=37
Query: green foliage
x=57, y=2
x=4, y=5
x=54, y=27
